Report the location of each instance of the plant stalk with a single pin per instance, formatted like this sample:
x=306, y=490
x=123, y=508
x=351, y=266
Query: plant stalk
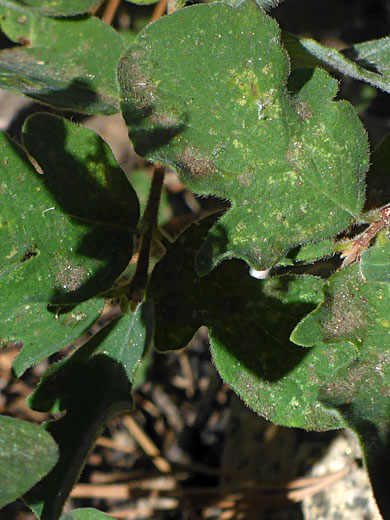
x=148, y=223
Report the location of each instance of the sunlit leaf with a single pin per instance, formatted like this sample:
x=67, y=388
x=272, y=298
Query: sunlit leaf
x=292, y=166
x=27, y=454
x=356, y=310
x=367, y=61
x=54, y=7
x=68, y=63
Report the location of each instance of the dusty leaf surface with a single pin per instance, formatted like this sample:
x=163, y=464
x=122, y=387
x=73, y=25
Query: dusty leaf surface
x=54, y=7
x=27, y=454
x=356, y=310
x=211, y=102
x=250, y=322
x=66, y=234
x=65, y=62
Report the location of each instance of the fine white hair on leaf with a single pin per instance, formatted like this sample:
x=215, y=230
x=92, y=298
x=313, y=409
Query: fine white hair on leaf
x=264, y=4
x=267, y=4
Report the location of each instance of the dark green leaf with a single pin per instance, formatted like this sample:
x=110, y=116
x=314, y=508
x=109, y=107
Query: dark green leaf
x=357, y=310
x=91, y=386
x=308, y=253
x=354, y=310
x=54, y=7
x=86, y=513
x=68, y=63
x=299, y=56
x=27, y=454
x=375, y=263
x=250, y=322
x=44, y=330
x=367, y=61
x=292, y=167
x=65, y=236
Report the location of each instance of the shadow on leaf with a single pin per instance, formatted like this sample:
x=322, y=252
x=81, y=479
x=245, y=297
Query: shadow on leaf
x=252, y=319
x=87, y=389
x=90, y=191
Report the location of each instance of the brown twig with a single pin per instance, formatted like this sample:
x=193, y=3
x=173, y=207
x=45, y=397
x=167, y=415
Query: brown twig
x=110, y=11
x=95, y=9
x=159, y=10
x=223, y=497
x=361, y=243
x=108, y=443
x=147, y=444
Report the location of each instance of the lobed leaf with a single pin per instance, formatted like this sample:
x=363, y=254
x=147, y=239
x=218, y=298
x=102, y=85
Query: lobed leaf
x=27, y=454
x=43, y=329
x=211, y=103
x=250, y=322
x=66, y=235
x=368, y=61
x=67, y=63
x=87, y=389
x=356, y=310
x=53, y=7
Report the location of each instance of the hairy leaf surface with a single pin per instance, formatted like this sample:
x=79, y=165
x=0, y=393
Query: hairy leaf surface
x=66, y=234
x=367, y=61
x=53, y=7
x=357, y=310
x=211, y=102
x=91, y=386
x=27, y=454
x=68, y=63
x=250, y=322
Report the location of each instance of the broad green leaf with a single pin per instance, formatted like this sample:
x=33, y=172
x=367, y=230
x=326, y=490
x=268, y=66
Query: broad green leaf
x=53, y=7
x=368, y=61
x=44, y=329
x=91, y=386
x=27, y=454
x=86, y=513
x=211, y=103
x=375, y=263
x=357, y=310
x=250, y=322
x=65, y=236
x=67, y=63
x=354, y=310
